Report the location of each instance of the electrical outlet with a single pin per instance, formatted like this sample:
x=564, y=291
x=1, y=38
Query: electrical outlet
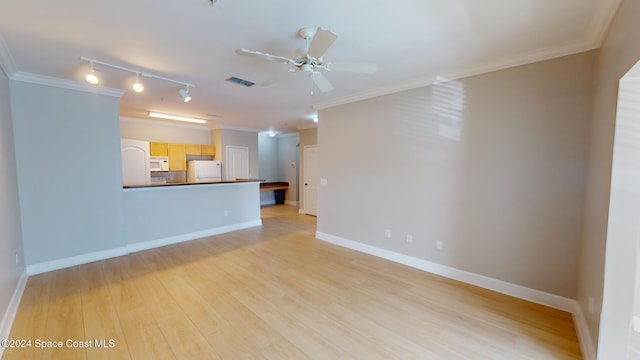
x=439, y=245
x=387, y=233
x=226, y=213
x=409, y=238
x=323, y=181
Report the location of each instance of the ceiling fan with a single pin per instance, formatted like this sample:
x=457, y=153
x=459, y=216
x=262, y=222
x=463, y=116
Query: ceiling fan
x=310, y=60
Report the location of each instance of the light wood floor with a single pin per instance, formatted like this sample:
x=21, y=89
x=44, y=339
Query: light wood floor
x=274, y=292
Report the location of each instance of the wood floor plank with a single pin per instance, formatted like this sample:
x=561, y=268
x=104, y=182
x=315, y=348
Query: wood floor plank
x=275, y=292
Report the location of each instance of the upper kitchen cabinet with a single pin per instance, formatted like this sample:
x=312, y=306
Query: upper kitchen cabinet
x=193, y=149
x=159, y=149
x=177, y=157
x=208, y=150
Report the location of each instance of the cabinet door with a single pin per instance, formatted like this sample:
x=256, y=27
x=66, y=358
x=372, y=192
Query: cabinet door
x=193, y=149
x=209, y=150
x=177, y=157
x=158, y=149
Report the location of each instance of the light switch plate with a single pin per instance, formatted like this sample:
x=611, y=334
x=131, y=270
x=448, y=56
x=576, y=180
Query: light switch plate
x=323, y=181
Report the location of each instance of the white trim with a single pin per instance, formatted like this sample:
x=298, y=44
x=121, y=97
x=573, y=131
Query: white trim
x=225, y=127
x=12, y=309
x=127, y=249
x=6, y=60
x=521, y=292
x=267, y=202
x=131, y=248
x=67, y=262
x=500, y=286
x=167, y=123
x=584, y=336
x=422, y=81
x=603, y=16
x=65, y=84
x=291, y=202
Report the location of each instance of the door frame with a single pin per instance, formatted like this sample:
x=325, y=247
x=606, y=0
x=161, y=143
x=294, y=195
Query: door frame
x=304, y=209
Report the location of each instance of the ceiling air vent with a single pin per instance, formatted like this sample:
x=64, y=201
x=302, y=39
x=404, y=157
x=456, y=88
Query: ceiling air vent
x=239, y=81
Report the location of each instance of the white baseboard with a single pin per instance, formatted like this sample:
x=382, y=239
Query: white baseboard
x=130, y=248
x=267, y=202
x=67, y=262
x=190, y=236
x=584, y=336
x=291, y=202
x=536, y=296
x=12, y=309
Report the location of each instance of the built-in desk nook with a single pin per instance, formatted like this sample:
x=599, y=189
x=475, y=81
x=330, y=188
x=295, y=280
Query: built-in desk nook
x=278, y=187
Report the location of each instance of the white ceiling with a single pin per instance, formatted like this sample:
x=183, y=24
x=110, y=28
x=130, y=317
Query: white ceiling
x=413, y=41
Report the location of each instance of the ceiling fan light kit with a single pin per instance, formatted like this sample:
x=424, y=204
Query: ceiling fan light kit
x=311, y=59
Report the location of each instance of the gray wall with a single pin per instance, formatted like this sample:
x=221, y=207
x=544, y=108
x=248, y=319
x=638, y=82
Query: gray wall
x=69, y=173
x=288, y=163
x=10, y=232
x=493, y=166
x=229, y=137
x=619, y=52
x=268, y=164
x=277, y=154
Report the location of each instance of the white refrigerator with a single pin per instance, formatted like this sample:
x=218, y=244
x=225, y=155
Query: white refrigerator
x=199, y=171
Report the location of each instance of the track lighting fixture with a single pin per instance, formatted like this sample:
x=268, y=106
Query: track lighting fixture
x=93, y=78
x=184, y=92
x=138, y=86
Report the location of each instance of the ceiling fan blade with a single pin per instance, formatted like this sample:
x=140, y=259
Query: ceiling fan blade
x=265, y=56
x=321, y=42
x=363, y=68
x=321, y=82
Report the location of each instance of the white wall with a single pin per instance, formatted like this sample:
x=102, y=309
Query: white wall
x=163, y=131
x=10, y=232
x=69, y=172
x=492, y=165
x=618, y=53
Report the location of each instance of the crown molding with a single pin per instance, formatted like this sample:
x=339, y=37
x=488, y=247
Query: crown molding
x=160, y=122
x=225, y=127
x=65, y=84
x=307, y=126
x=427, y=80
x=7, y=65
x=604, y=14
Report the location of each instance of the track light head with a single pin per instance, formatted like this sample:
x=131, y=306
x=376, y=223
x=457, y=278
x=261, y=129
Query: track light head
x=138, y=86
x=92, y=76
x=184, y=92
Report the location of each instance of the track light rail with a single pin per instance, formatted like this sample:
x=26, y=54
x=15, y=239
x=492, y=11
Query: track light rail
x=141, y=73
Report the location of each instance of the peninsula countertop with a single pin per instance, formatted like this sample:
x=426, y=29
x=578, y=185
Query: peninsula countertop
x=190, y=183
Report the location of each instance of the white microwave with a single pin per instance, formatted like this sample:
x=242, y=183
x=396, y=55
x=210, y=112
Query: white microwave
x=159, y=163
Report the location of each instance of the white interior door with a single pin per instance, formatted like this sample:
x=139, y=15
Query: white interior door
x=310, y=178
x=237, y=162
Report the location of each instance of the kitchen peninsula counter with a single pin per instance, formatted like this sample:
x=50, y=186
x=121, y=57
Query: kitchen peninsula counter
x=162, y=214
x=189, y=183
